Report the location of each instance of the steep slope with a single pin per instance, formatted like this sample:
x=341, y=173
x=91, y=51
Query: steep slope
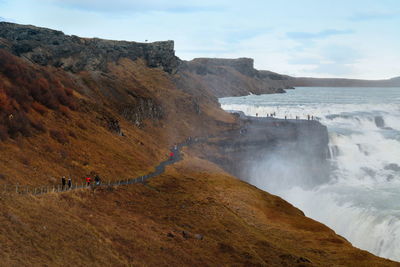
x=195, y=214
x=87, y=106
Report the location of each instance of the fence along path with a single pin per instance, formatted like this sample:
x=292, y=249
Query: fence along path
x=159, y=169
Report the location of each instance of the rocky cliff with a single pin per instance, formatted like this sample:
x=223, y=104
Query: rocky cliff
x=233, y=77
x=49, y=47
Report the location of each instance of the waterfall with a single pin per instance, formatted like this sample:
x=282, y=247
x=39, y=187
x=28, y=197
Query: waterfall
x=361, y=198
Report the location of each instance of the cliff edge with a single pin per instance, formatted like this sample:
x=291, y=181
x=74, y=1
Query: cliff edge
x=49, y=47
x=233, y=77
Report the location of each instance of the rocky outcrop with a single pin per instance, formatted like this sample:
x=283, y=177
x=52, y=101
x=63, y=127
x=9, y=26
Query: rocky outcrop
x=144, y=108
x=49, y=47
x=203, y=66
x=233, y=77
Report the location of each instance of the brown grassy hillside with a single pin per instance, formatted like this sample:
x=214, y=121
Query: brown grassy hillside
x=158, y=224
x=77, y=140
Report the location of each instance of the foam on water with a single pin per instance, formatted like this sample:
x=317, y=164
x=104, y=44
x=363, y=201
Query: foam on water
x=361, y=200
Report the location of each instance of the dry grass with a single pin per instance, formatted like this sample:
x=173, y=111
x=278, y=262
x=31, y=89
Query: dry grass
x=142, y=226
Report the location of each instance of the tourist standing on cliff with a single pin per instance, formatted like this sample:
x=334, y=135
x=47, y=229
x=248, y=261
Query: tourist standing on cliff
x=69, y=183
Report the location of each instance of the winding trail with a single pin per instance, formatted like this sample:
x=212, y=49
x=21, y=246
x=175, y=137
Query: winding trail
x=159, y=169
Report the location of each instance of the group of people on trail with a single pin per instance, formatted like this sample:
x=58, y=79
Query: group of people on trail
x=67, y=184
x=173, y=151
x=89, y=180
x=269, y=114
x=272, y=115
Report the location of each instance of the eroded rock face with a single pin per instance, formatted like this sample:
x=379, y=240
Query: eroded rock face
x=49, y=47
x=234, y=77
x=144, y=108
x=206, y=65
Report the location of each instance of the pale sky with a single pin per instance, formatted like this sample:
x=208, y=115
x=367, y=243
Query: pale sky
x=318, y=38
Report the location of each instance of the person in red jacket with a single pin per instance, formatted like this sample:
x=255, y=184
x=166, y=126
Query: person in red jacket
x=88, y=180
x=171, y=155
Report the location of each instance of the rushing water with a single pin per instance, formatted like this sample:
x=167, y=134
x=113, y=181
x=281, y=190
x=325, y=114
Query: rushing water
x=361, y=200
